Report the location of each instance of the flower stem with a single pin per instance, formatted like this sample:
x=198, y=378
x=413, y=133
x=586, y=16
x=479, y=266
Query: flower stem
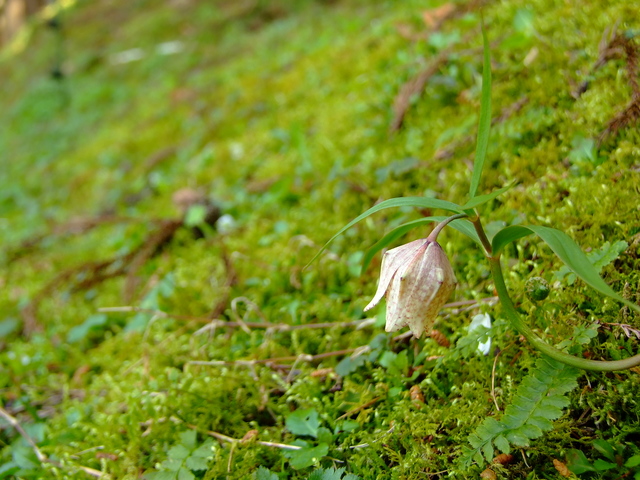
x=433, y=236
x=539, y=344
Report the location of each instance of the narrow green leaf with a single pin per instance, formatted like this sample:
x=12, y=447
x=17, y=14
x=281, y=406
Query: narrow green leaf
x=420, y=202
x=466, y=228
x=632, y=461
x=599, y=258
x=602, y=465
x=567, y=250
x=481, y=199
x=507, y=235
x=578, y=463
x=484, y=125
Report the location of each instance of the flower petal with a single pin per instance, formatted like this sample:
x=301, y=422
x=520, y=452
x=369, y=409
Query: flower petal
x=436, y=272
x=397, y=312
x=419, y=290
x=391, y=261
x=425, y=305
x=394, y=321
x=427, y=284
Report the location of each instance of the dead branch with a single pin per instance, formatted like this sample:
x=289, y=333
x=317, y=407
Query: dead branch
x=149, y=248
x=90, y=274
x=415, y=86
x=630, y=115
x=614, y=45
x=304, y=357
x=234, y=441
x=216, y=323
x=359, y=408
x=75, y=226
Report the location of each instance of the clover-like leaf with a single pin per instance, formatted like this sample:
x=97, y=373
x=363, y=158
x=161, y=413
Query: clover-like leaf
x=303, y=422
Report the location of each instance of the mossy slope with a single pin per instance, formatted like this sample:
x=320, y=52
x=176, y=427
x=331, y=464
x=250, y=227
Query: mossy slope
x=279, y=112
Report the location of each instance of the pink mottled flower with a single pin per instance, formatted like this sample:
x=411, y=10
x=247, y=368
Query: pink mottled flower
x=417, y=280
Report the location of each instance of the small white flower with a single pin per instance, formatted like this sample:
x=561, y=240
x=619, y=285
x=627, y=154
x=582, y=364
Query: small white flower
x=481, y=320
x=417, y=280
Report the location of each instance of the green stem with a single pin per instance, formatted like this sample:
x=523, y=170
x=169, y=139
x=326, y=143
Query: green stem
x=477, y=224
x=538, y=343
x=433, y=236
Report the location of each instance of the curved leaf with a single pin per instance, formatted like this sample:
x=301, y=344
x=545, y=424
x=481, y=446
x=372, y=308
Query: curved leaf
x=465, y=227
x=567, y=250
x=485, y=119
x=480, y=199
x=421, y=202
x=507, y=235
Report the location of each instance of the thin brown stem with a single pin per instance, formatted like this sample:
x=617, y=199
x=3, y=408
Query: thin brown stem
x=486, y=244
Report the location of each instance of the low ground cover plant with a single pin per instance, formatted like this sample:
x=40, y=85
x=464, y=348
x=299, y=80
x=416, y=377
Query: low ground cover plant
x=170, y=168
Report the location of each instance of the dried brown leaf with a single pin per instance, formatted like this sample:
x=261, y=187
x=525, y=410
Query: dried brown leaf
x=561, y=468
x=435, y=17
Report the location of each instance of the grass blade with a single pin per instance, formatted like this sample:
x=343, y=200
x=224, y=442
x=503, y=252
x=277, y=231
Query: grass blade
x=420, y=202
x=485, y=119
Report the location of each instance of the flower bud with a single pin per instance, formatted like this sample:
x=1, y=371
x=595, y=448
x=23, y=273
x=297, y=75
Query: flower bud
x=417, y=280
x=537, y=289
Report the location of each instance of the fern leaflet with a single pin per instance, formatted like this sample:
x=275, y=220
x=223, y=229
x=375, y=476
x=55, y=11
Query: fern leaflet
x=539, y=399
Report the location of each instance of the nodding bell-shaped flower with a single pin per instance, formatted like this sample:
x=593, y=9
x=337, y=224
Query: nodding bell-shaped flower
x=417, y=280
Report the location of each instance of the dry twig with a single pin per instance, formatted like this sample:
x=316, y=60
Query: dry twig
x=615, y=45
x=415, y=86
x=90, y=274
x=216, y=323
x=234, y=441
x=249, y=363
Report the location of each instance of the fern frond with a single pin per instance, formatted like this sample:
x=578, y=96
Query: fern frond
x=539, y=399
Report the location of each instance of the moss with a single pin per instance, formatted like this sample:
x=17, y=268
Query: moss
x=280, y=114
